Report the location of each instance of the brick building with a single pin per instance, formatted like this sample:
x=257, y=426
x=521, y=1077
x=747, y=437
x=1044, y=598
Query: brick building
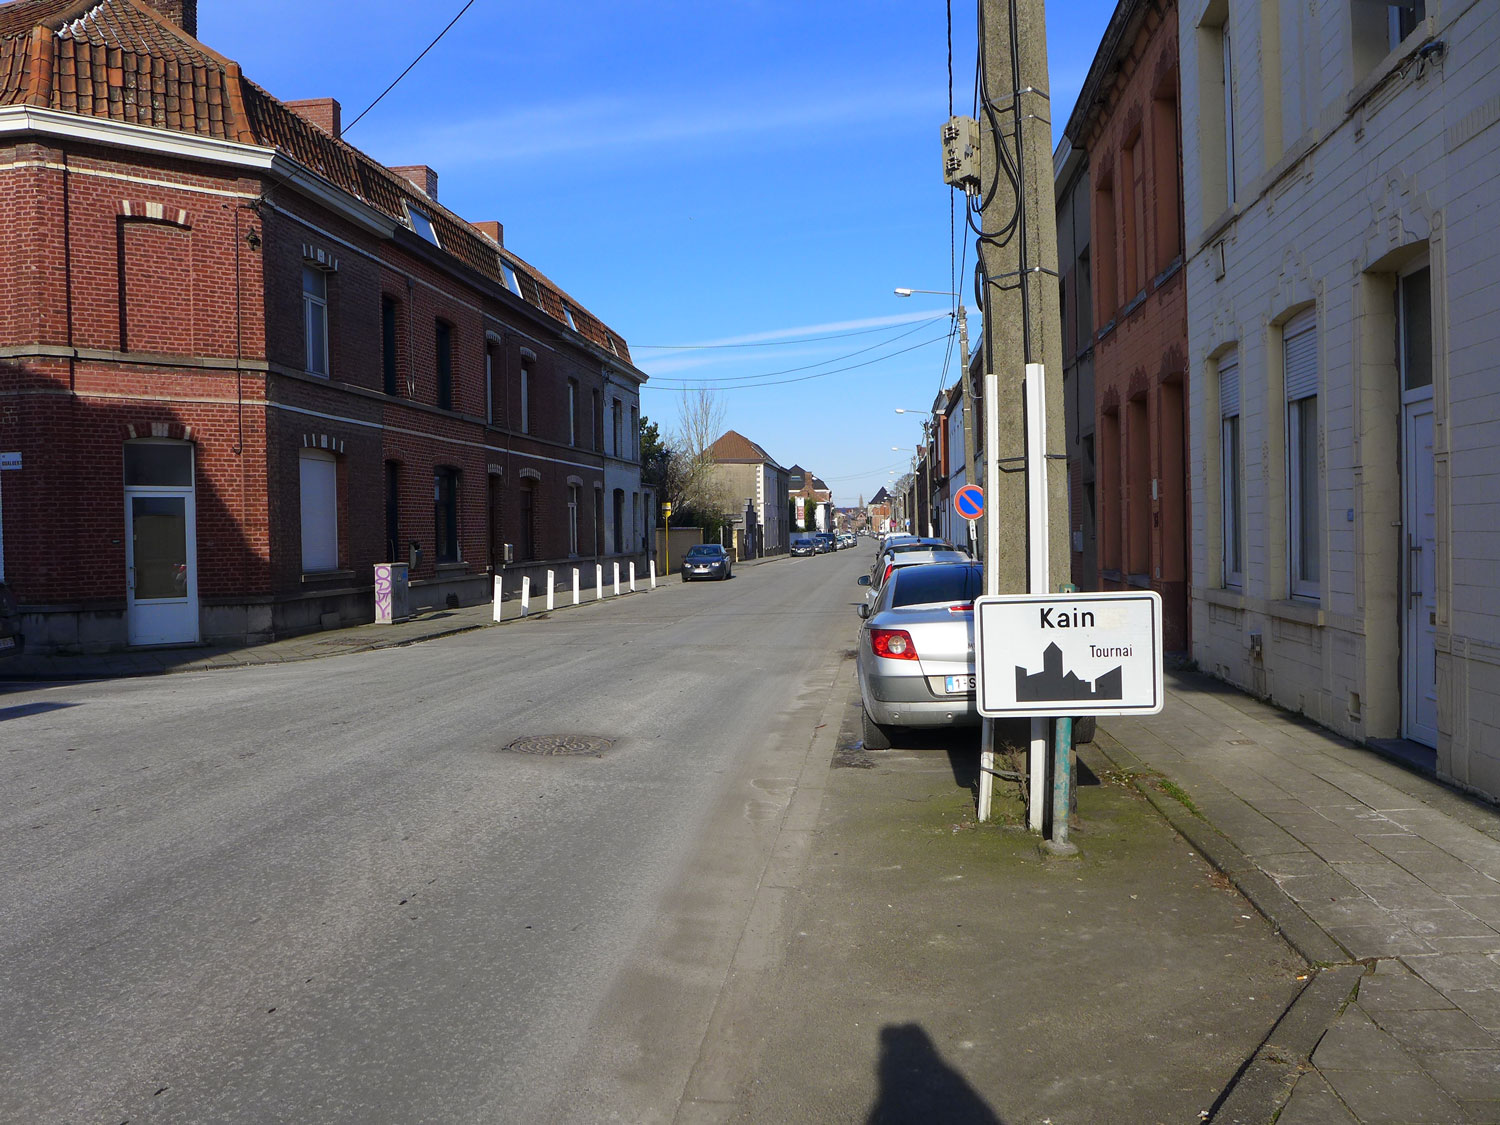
x=757, y=490
x=243, y=362
x=1126, y=126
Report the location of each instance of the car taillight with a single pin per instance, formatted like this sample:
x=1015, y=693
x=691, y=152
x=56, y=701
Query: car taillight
x=893, y=644
x=888, y=568
x=966, y=607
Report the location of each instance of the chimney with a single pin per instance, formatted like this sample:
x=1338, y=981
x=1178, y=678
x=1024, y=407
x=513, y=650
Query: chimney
x=325, y=113
x=184, y=13
x=493, y=231
x=422, y=176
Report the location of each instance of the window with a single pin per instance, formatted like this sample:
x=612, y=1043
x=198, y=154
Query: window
x=525, y=395
x=572, y=411
x=320, y=513
x=444, y=365
x=315, y=319
x=568, y=316
x=1227, y=80
x=489, y=385
x=388, y=343
x=1137, y=488
x=574, y=498
x=1402, y=19
x=422, y=225
x=619, y=514
x=509, y=274
x=528, y=520
x=1135, y=215
x=1165, y=166
x=617, y=415
x=598, y=425
x=1231, y=496
x=1414, y=327
x=445, y=514
x=1104, y=226
x=1304, y=480
x=635, y=433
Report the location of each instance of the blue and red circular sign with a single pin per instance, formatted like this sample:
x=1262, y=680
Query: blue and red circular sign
x=968, y=501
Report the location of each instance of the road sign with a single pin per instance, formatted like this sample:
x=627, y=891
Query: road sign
x=10, y=460
x=1068, y=654
x=968, y=501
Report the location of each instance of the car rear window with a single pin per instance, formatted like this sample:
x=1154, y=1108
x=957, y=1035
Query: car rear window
x=920, y=585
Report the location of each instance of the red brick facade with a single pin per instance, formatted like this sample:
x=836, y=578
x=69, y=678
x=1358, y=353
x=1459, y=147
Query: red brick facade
x=160, y=297
x=1128, y=124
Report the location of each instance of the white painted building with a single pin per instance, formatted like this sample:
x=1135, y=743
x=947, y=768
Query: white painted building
x=1341, y=182
x=629, y=507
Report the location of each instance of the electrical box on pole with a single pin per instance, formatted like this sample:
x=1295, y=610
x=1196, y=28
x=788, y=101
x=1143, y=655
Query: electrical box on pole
x=961, y=153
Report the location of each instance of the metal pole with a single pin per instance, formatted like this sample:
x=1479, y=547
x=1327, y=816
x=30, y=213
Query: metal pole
x=1037, y=577
x=1062, y=786
x=968, y=401
x=987, y=761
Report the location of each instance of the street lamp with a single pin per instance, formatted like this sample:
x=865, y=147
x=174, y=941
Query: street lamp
x=965, y=380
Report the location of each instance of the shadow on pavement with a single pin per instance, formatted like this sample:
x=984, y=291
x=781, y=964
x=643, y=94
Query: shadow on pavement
x=917, y=1086
x=21, y=710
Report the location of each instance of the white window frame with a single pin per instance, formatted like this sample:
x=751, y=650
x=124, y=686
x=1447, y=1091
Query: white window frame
x=315, y=310
x=507, y=271
x=1300, y=372
x=574, y=495
x=421, y=223
x=1231, y=473
x=319, y=502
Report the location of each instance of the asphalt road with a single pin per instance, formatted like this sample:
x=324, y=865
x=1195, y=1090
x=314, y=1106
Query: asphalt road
x=327, y=891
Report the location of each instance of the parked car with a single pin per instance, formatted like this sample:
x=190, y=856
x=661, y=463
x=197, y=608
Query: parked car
x=803, y=545
x=916, y=651
x=822, y=543
x=12, y=640
x=890, y=563
x=706, y=560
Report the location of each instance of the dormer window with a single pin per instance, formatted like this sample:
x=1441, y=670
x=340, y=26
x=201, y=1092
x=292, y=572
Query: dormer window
x=422, y=224
x=511, y=281
x=568, y=316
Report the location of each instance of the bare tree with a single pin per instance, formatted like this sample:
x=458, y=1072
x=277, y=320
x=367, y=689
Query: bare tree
x=691, y=479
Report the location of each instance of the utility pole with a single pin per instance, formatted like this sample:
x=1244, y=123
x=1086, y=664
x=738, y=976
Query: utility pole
x=1017, y=257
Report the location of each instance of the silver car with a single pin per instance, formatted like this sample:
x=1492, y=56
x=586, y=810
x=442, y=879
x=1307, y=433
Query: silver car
x=916, y=651
x=890, y=562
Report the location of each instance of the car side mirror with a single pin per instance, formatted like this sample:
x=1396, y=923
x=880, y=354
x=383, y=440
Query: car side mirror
x=863, y=579
x=863, y=610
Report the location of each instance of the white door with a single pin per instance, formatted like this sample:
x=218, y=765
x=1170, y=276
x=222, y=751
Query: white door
x=161, y=557
x=1419, y=577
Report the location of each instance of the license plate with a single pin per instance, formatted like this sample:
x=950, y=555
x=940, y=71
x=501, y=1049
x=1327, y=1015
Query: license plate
x=955, y=684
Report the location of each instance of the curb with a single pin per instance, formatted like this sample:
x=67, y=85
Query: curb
x=1259, y=1090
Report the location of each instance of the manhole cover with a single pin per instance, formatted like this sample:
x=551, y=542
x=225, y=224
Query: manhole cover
x=562, y=745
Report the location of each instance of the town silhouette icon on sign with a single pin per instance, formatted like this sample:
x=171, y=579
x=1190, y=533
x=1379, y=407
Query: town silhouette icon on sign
x=1053, y=683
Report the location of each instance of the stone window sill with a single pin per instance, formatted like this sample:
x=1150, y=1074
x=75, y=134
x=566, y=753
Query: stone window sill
x=1225, y=596
x=326, y=575
x=1304, y=613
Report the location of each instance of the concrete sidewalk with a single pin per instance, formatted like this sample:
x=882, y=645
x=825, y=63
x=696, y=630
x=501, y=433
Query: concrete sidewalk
x=1388, y=883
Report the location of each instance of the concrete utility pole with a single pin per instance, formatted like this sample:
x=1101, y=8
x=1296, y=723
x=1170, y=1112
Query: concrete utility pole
x=1022, y=323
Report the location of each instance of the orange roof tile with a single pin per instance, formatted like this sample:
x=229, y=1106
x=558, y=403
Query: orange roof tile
x=122, y=60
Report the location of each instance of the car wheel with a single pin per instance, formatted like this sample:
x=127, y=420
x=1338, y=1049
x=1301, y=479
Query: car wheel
x=1084, y=729
x=876, y=737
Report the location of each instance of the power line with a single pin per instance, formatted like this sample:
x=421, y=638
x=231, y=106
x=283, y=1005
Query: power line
x=407, y=71
x=780, y=343
x=816, y=375
x=805, y=367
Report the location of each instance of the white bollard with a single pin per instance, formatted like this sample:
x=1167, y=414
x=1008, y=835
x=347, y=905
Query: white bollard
x=525, y=596
x=617, y=580
x=653, y=574
x=575, y=585
x=497, y=598
x=598, y=581
x=632, y=578
x=550, y=601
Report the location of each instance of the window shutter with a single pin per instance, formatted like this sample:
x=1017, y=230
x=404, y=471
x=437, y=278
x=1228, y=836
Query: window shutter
x=1229, y=385
x=1300, y=356
x=320, y=534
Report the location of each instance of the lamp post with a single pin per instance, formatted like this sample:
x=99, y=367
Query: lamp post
x=967, y=381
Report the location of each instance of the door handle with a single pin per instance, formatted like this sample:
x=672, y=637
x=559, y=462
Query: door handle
x=1413, y=566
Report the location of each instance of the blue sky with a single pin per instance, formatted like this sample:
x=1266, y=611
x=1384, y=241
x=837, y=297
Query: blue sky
x=697, y=172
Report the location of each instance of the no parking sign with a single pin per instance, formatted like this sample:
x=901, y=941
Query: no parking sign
x=968, y=501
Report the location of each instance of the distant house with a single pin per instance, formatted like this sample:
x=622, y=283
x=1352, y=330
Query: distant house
x=878, y=511
x=757, y=487
x=803, y=486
